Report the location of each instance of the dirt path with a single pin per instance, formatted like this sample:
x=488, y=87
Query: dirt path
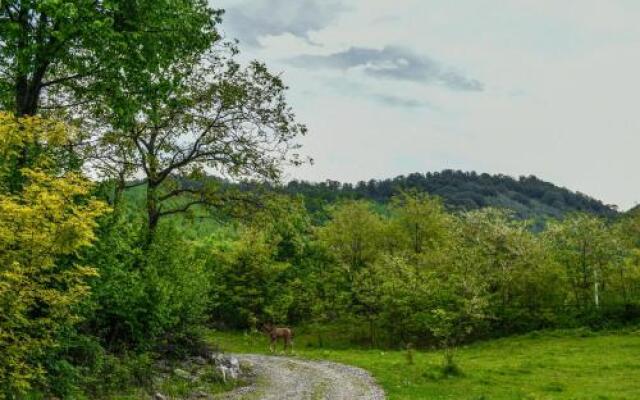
x=284, y=378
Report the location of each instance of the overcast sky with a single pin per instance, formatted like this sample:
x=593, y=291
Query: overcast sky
x=543, y=87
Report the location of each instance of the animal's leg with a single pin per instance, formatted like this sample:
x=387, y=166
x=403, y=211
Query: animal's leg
x=287, y=344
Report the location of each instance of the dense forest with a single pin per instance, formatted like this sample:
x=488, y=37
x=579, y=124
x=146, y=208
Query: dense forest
x=118, y=251
x=529, y=197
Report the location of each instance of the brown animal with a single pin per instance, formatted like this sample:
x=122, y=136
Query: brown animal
x=275, y=333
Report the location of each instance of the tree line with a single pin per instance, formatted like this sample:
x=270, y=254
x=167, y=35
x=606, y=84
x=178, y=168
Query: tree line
x=528, y=196
x=415, y=271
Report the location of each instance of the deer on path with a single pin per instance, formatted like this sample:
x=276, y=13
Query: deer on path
x=275, y=333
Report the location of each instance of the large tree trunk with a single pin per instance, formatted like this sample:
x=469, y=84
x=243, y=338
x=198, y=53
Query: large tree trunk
x=32, y=71
x=27, y=96
x=118, y=192
x=26, y=104
x=28, y=87
x=153, y=210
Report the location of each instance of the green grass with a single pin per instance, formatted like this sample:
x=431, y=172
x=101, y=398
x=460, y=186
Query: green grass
x=548, y=365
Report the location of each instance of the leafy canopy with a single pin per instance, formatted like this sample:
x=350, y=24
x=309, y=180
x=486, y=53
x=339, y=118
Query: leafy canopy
x=69, y=51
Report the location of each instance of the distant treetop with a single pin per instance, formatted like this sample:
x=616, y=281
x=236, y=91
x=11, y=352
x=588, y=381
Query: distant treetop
x=527, y=196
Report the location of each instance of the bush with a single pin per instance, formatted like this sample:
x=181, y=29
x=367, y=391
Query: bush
x=248, y=286
x=44, y=222
x=147, y=299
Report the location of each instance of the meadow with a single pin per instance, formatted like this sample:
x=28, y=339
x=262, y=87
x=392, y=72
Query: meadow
x=563, y=364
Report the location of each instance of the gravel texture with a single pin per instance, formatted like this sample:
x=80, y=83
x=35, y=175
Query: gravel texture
x=285, y=378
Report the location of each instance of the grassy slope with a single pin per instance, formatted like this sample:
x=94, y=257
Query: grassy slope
x=552, y=365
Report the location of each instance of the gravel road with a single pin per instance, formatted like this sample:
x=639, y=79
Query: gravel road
x=285, y=378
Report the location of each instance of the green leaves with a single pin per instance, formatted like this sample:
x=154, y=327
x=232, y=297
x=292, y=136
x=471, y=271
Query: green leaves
x=82, y=48
x=592, y=254
x=51, y=217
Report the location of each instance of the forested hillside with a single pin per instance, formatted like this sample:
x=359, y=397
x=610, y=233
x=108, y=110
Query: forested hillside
x=529, y=197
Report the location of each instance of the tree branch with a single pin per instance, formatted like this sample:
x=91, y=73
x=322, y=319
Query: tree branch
x=132, y=185
x=178, y=192
x=184, y=208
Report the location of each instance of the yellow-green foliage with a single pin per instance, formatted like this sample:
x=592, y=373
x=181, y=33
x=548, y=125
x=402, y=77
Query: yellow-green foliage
x=42, y=226
x=31, y=141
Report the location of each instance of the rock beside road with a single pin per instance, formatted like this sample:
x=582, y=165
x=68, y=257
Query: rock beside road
x=227, y=368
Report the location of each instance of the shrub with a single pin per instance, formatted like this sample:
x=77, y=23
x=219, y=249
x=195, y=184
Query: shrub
x=43, y=224
x=150, y=298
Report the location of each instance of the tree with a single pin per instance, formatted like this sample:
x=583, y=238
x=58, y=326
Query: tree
x=71, y=57
x=353, y=235
x=48, y=221
x=421, y=219
x=247, y=281
x=515, y=266
x=589, y=250
x=219, y=119
x=628, y=272
x=396, y=297
x=462, y=309
x=79, y=50
x=44, y=140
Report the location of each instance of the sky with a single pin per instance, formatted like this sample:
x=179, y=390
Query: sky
x=519, y=87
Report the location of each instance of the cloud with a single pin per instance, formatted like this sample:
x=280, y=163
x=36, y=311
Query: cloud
x=391, y=62
x=355, y=89
x=255, y=19
x=395, y=101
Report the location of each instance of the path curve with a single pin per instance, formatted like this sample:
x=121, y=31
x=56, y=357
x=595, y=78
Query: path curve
x=287, y=378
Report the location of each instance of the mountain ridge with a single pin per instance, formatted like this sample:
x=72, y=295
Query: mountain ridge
x=528, y=196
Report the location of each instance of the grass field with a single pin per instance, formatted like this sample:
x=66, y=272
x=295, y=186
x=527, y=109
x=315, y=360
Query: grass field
x=547, y=365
